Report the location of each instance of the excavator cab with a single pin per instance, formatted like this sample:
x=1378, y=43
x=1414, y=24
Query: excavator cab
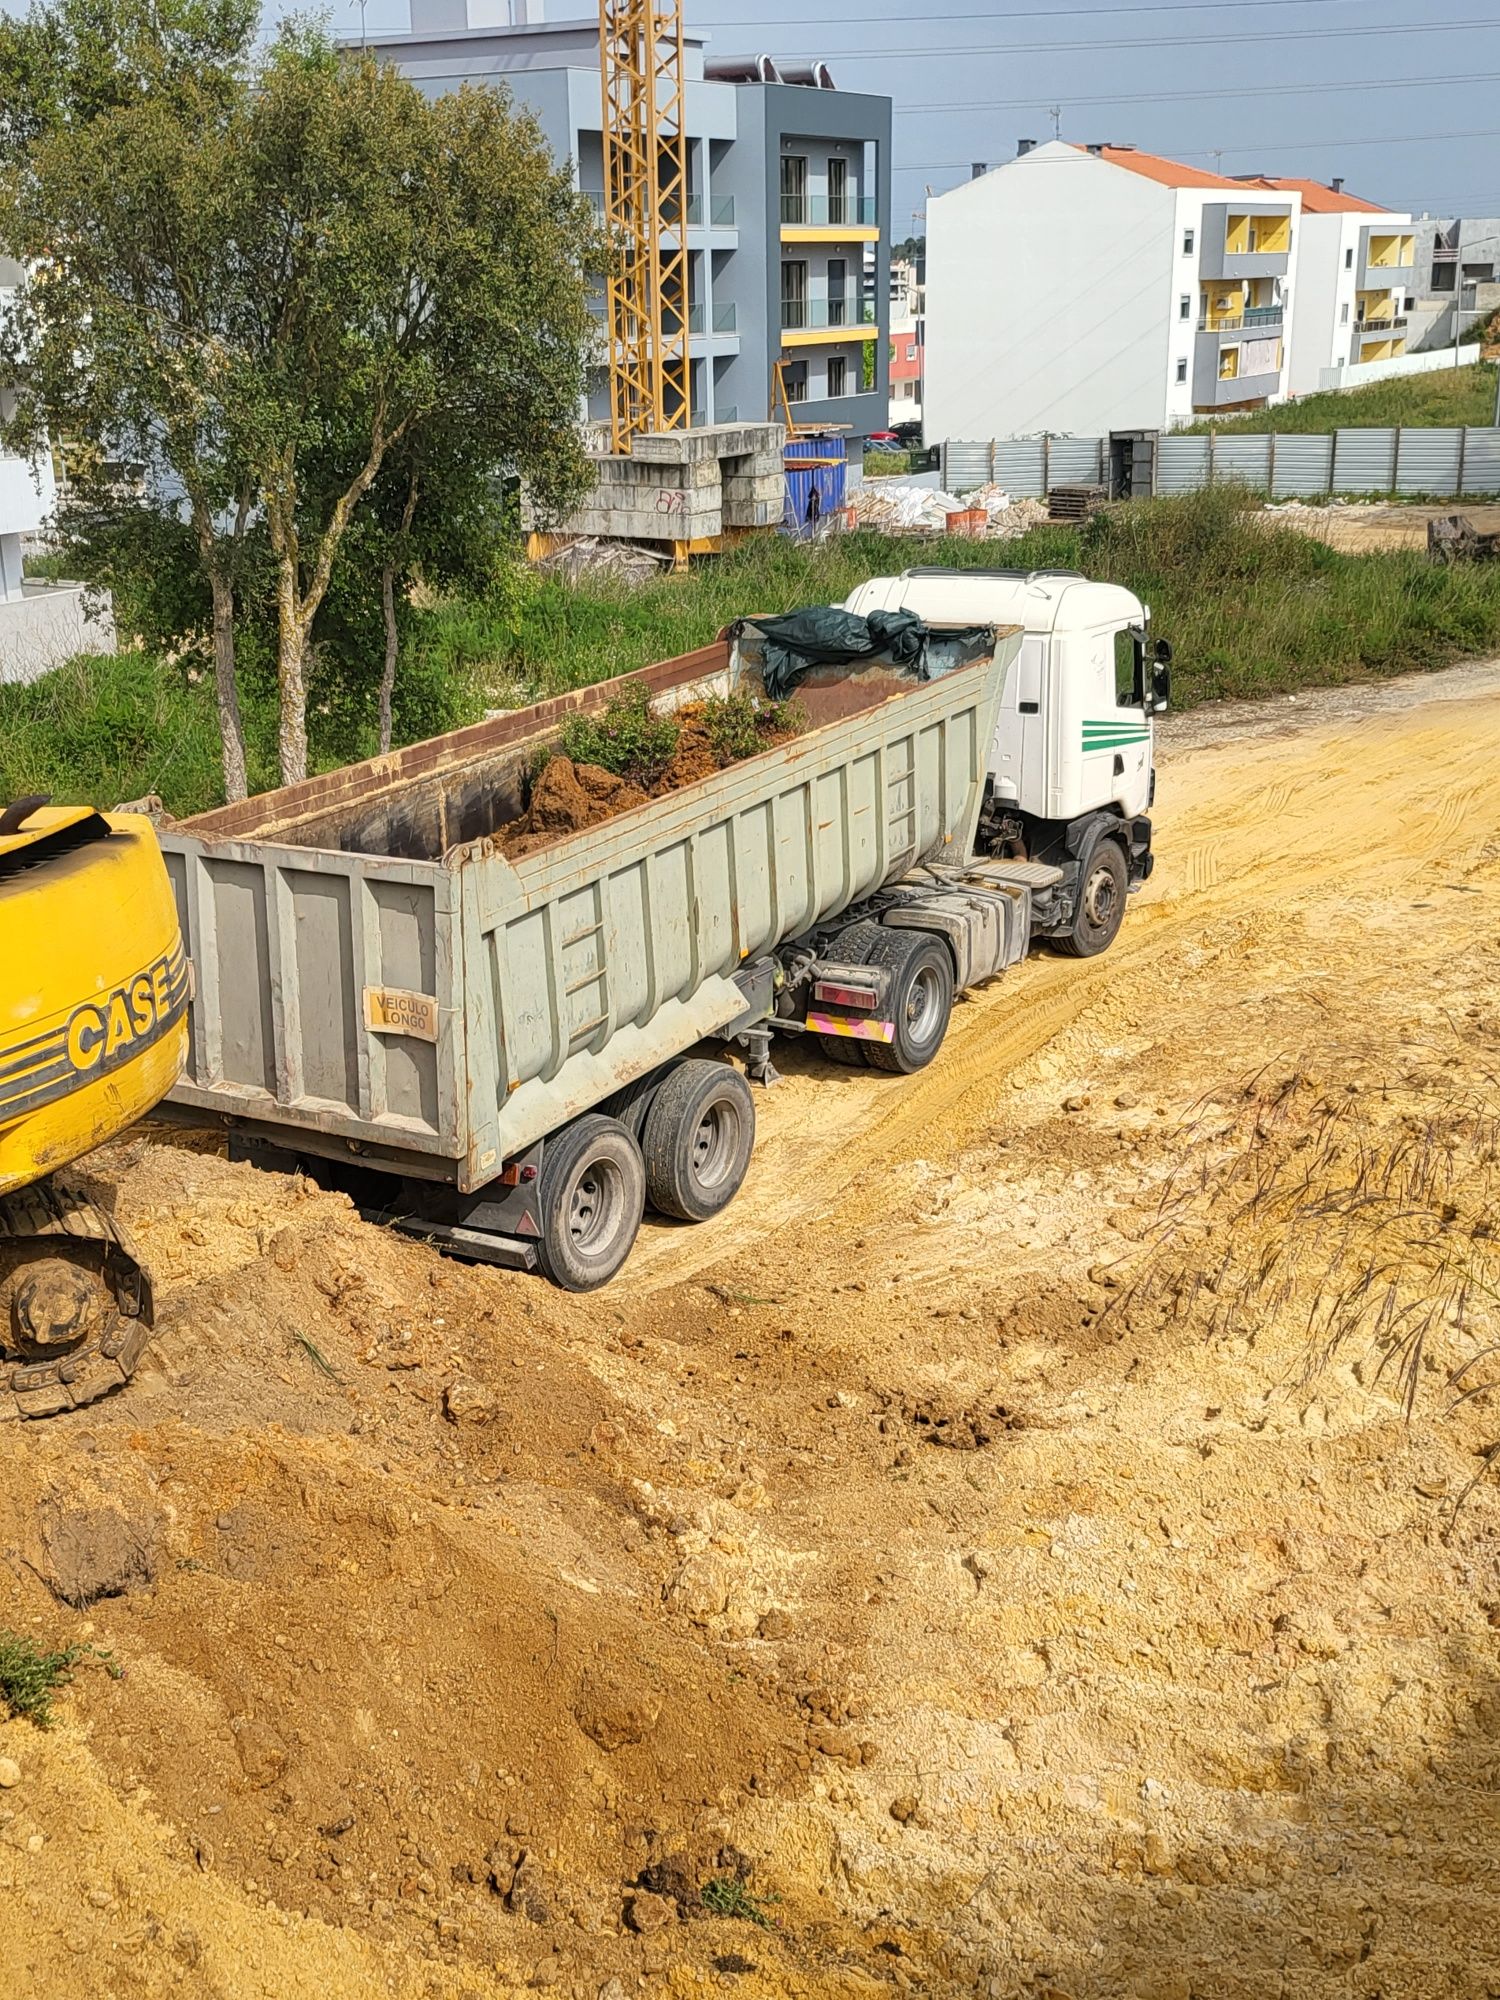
x=94, y=988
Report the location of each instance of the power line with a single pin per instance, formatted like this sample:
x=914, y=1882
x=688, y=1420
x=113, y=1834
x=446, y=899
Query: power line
x=1262, y=146
x=1159, y=41
x=1184, y=96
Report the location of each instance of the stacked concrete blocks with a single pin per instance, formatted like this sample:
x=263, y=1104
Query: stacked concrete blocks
x=682, y=486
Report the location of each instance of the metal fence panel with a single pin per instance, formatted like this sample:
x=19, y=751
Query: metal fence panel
x=1244, y=459
x=1364, y=461
x=1076, y=461
x=1304, y=465
x=1020, y=468
x=1427, y=462
x=964, y=465
x=1482, y=461
x=1181, y=464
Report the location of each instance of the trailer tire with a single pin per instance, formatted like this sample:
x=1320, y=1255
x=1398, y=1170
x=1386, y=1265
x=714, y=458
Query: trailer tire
x=1103, y=883
x=592, y=1194
x=697, y=1140
x=852, y=947
x=921, y=999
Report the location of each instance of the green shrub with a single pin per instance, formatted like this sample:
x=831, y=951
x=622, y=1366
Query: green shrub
x=740, y=725
x=30, y=1677
x=625, y=737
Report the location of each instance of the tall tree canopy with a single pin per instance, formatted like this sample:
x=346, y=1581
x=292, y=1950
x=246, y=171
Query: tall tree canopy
x=300, y=294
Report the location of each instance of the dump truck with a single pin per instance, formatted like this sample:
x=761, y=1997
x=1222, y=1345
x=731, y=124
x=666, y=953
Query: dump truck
x=506, y=1053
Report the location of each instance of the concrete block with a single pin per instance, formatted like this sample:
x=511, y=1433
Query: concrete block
x=769, y=487
x=753, y=513
x=753, y=465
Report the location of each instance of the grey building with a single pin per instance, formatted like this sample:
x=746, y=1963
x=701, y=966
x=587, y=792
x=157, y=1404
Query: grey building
x=788, y=212
x=1457, y=279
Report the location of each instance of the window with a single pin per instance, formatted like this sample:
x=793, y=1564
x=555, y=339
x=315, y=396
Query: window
x=1185, y=307
x=793, y=188
x=794, y=293
x=1344, y=313
x=1187, y=242
x=1443, y=277
x=1129, y=670
x=838, y=191
x=911, y=350
x=796, y=383
x=837, y=277
x=1229, y=364
x=837, y=368
x=1182, y=370
x=1349, y=260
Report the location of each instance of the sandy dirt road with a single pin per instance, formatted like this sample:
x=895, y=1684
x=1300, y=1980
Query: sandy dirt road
x=1359, y=528
x=995, y=1554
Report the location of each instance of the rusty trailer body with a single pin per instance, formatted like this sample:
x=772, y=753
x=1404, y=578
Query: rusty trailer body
x=377, y=983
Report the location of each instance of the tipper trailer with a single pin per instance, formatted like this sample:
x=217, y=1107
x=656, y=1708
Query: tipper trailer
x=506, y=1052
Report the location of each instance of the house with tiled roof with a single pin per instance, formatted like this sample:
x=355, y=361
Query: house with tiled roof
x=1086, y=289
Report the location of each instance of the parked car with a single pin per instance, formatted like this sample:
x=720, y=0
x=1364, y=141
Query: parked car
x=883, y=441
x=909, y=432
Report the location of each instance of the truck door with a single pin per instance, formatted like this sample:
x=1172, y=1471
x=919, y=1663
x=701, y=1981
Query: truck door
x=1115, y=728
x=1017, y=756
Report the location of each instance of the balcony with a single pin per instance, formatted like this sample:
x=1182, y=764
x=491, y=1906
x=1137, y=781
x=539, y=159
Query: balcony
x=725, y=317
x=699, y=418
x=1241, y=243
x=824, y=316
x=720, y=213
x=1381, y=329
x=814, y=217
x=1254, y=319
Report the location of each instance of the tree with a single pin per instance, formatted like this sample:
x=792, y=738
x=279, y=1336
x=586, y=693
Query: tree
x=115, y=154
x=272, y=285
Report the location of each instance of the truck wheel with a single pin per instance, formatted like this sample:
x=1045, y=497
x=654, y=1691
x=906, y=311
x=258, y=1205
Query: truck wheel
x=850, y=947
x=697, y=1140
x=921, y=999
x=1101, y=904
x=592, y=1196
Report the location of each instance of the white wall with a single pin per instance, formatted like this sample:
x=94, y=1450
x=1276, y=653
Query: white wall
x=1326, y=282
x=1050, y=284
x=1426, y=363
x=48, y=624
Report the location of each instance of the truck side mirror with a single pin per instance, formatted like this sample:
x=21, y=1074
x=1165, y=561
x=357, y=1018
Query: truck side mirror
x=1162, y=650
x=1161, y=687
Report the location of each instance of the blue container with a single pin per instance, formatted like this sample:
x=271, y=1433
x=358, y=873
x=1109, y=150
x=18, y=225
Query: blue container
x=816, y=471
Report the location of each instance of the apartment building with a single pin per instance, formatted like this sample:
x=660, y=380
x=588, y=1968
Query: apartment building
x=1355, y=281
x=1084, y=289
x=788, y=222
x=26, y=494
x=1457, y=276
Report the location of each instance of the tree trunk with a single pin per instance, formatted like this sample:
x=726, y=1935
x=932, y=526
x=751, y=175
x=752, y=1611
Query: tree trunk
x=231, y=729
x=388, y=672
x=291, y=677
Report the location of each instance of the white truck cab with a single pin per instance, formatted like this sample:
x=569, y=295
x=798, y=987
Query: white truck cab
x=1072, y=779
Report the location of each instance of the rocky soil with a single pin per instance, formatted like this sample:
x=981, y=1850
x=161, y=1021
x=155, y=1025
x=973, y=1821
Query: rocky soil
x=1025, y=1548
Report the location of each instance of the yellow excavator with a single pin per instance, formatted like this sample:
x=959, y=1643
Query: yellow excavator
x=94, y=989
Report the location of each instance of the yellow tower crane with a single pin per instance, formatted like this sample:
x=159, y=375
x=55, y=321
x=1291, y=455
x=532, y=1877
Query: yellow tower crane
x=645, y=206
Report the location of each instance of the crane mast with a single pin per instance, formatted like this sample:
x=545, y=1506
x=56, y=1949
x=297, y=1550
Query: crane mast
x=645, y=205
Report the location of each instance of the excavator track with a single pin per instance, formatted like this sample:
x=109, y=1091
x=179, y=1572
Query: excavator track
x=76, y=1306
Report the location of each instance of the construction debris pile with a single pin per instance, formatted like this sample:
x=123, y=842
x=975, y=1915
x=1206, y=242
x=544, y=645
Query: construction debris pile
x=894, y=507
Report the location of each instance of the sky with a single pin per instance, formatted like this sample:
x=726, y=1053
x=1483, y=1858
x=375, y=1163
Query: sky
x=1315, y=88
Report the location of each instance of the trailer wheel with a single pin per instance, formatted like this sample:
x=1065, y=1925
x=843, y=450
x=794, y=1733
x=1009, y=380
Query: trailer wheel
x=697, y=1140
x=592, y=1196
x=921, y=999
x=1101, y=904
x=850, y=947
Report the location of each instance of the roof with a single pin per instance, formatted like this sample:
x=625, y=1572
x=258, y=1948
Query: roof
x=1169, y=173
x=1317, y=199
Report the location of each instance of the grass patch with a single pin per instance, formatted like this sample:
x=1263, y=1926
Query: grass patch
x=1447, y=398
x=727, y=1896
x=30, y=1677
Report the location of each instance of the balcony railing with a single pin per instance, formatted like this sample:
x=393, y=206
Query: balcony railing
x=726, y=317
x=728, y=415
x=1252, y=316
x=1375, y=329
x=720, y=211
x=797, y=314
x=850, y=211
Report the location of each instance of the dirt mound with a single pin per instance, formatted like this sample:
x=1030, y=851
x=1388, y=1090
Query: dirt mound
x=568, y=797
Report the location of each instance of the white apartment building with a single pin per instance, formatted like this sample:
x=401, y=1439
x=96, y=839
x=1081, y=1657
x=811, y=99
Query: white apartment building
x=1355, y=281
x=1084, y=289
x=26, y=494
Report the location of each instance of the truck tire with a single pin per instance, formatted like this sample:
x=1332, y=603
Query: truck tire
x=697, y=1140
x=850, y=947
x=592, y=1194
x=921, y=999
x=1101, y=903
